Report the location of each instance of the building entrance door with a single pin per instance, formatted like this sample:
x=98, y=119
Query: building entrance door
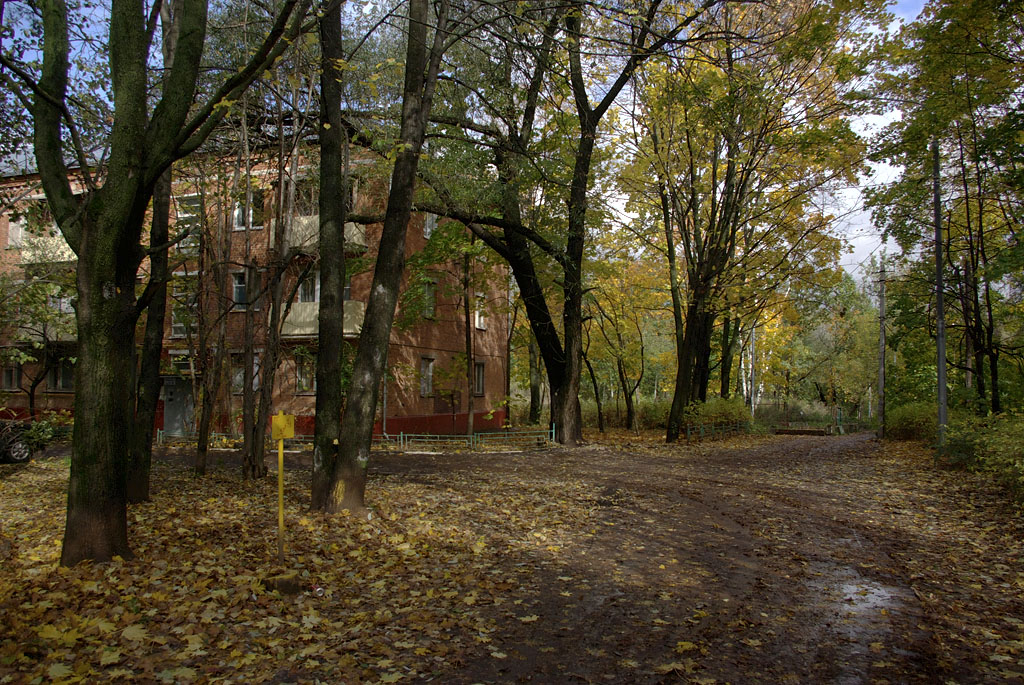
x=177, y=405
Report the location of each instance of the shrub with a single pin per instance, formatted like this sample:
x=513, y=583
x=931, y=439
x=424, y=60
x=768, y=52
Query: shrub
x=717, y=410
x=52, y=426
x=798, y=410
x=914, y=421
x=994, y=444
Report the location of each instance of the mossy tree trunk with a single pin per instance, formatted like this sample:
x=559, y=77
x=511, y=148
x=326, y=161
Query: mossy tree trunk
x=347, y=486
x=104, y=225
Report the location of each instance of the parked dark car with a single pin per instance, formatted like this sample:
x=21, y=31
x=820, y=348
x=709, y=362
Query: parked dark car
x=14, y=446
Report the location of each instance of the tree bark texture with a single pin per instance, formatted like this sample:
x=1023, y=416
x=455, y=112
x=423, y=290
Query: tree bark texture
x=104, y=227
x=348, y=480
x=149, y=383
x=535, y=405
x=333, y=212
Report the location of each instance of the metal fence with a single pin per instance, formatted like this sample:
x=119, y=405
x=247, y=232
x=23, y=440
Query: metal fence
x=712, y=430
x=827, y=427
x=506, y=438
x=401, y=441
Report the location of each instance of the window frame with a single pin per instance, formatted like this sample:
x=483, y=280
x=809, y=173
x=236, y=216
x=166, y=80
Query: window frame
x=305, y=375
x=14, y=372
x=429, y=308
x=240, y=305
x=257, y=199
x=312, y=279
x=188, y=245
x=479, y=315
x=479, y=378
x=427, y=376
x=238, y=372
x=16, y=227
x=61, y=376
x=182, y=296
x=429, y=224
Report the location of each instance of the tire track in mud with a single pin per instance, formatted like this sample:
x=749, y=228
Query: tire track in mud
x=806, y=557
x=767, y=563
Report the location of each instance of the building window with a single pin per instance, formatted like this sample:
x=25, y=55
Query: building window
x=12, y=377
x=478, y=378
x=309, y=289
x=429, y=299
x=307, y=197
x=184, y=309
x=429, y=224
x=15, y=231
x=33, y=217
x=426, y=377
x=481, y=320
x=254, y=218
x=188, y=217
x=239, y=292
x=61, y=377
x=238, y=372
x=60, y=303
x=305, y=375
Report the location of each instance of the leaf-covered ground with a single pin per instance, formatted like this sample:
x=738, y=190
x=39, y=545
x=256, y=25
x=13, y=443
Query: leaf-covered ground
x=806, y=559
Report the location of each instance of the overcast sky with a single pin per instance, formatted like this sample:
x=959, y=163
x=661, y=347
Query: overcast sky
x=864, y=238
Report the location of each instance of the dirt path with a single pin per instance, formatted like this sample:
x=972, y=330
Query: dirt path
x=806, y=559
x=751, y=560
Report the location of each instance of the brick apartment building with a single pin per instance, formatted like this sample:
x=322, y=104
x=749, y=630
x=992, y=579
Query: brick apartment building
x=222, y=275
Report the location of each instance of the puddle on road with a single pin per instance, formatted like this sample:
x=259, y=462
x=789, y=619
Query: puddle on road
x=860, y=628
x=865, y=599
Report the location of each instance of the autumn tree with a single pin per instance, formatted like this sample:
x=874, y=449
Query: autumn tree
x=103, y=226
x=955, y=74
x=551, y=53
x=740, y=145
x=343, y=483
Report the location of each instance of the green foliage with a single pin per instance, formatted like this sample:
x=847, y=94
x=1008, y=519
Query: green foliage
x=52, y=426
x=717, y=410
x=993, y=444
x=912, y=421
x=797, y=410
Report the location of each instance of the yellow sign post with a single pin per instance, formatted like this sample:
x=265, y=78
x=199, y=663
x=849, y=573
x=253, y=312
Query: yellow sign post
x=281, y=426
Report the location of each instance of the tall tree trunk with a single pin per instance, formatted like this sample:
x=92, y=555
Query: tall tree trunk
x=535, y=403
x=565, y=399
x=149, y=382
x=597, y=393
x=213, y=257
x=96, y=526
x=268, y=362
x=148, y=394
x=348, y=479
x=675, y=412
x=253, y=465
x=334, y=210
x=467, y=298
x=627, y=395
x=730, y=328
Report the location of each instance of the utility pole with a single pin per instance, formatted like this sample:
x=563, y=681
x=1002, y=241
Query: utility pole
x=881, y=351
x=940, y=315
x=753, y=361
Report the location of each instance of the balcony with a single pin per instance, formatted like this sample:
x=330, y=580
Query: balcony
x=304, y=234
x=302, y=319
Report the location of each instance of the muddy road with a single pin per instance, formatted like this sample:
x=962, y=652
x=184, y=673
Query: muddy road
x=800, y=559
